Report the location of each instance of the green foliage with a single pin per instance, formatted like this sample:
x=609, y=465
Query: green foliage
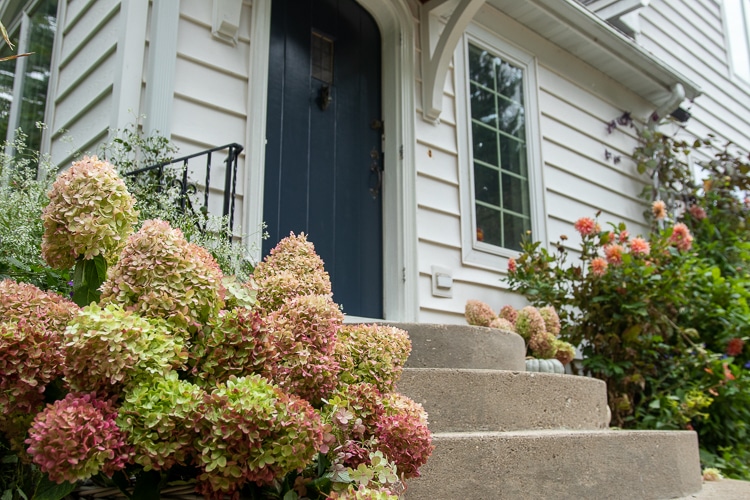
x=664, y=322
x=25, y=178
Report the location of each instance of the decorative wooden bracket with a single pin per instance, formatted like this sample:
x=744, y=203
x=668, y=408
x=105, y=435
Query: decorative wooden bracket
x=438, y=47
x=226, y=20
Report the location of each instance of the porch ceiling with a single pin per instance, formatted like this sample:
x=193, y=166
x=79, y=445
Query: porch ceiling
x=579, y=31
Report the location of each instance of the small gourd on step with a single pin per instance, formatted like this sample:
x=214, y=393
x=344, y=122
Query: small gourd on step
x=544, y=365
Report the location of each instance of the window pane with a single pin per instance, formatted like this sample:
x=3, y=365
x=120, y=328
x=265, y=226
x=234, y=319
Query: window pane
x=498, y=116
x=483, y=105
x=515, y=228
x=36, y=76
x=481, y=67
x=485, y=144
x=515, y=194
x=738, y=40
x=489, y=228
x=486, y=182
x=513, y=155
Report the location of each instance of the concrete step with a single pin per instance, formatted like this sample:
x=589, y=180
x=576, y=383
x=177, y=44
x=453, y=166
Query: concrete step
x=604, y=464
x=463, y=346
x=459, y=400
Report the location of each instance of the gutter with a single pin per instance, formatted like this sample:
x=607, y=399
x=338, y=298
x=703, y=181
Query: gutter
x=598, y=32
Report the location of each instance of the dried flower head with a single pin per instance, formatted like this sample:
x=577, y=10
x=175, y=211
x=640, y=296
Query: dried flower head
x=508, y=312
x=251, y=431
x=502, y=324
x=291, y=269
x=529, y=322
x=157, y=415
x=107, y=348
x=659, y=209
x=90, y=213
x=681, y=237
x=598, y=266
x=542, y=345
x=551, y=320
x=639, y=246
x=76, y=438
x=564, y=352
x=304, y=332
x=478, y=313
x=161, y=275
x=372, y=353
x=47, y=310
x=586, y=226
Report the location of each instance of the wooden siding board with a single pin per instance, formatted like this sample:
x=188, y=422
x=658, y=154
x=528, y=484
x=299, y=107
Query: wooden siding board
x=436, y=163
x=101, y=16
x=204, y=124
x=219, y=91
x=196, y=43
x=437, y=226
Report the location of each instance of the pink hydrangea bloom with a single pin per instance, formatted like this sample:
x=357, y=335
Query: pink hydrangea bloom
x=586, y=226
x=613, y=253
x=403, y=435
x=639, y=246
x=681, y=237
x=598, y=266
x=659, y=209
x=478, y=313
x=76, y=438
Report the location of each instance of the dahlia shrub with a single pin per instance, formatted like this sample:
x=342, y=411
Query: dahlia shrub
x=90, y=213
x=76, y=438
x=161, y=275
x=106, y=348
x=372, y=353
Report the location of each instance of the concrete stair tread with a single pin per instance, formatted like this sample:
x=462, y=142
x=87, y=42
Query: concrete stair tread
x=463, y=346
x=581, y=464
x=500, y=400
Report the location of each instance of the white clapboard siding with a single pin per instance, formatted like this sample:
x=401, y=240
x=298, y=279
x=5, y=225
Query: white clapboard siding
x=576, y=103
x=86, y=68
x=689, y=35
x=209, y=108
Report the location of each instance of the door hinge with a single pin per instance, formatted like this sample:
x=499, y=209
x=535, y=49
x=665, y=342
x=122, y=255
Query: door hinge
x=403, y=275
x=401, y=152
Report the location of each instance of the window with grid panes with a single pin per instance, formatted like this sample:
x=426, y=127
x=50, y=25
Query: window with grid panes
x=498, y=138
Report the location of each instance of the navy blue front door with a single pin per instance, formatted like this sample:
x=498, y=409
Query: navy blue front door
x=323, y=153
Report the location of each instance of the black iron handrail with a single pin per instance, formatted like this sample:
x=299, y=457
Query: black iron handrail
x=187, y=187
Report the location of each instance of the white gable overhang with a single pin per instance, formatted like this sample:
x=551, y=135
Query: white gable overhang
x=571, y=26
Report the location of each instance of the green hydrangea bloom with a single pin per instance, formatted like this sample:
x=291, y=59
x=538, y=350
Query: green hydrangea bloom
x=372, y=353
x=157, y=417
x=251, y=431
x=108, y=348
x=90, y=213
x=529, y=322
x=161, y=275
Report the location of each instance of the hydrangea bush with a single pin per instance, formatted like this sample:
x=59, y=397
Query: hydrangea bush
x=539, y=328
x=181, y=374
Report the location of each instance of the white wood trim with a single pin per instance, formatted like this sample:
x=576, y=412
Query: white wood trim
x=49, y=113
x=255, y=150
x=476, y=253
x=396, y=24
x=129, y=73
x=437, y=50
x=165, y=19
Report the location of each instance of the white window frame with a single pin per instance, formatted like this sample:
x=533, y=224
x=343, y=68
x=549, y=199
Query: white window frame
x=474, y=252
x=738, y=55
